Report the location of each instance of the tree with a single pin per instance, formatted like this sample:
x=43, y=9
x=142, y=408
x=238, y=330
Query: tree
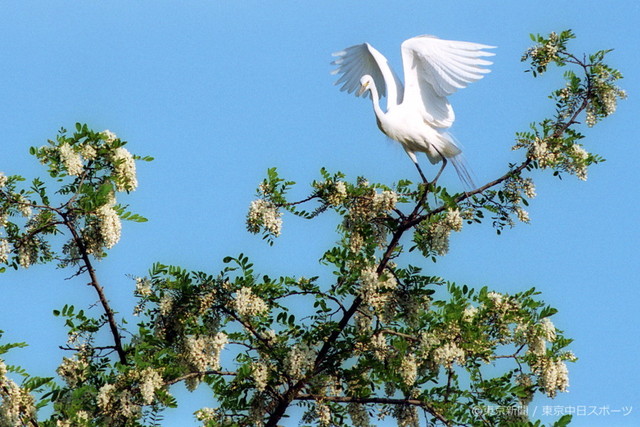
x=382, y=338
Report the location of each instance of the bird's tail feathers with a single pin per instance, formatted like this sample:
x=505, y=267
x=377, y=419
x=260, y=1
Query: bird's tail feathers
x=463, y=171
x=453, y=153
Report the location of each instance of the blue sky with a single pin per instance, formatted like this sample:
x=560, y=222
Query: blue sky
x=219, y=91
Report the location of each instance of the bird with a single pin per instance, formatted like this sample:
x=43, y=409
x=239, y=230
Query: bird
x=418, y=114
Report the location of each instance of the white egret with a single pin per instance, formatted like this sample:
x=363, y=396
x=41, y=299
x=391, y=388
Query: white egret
x=419, y=114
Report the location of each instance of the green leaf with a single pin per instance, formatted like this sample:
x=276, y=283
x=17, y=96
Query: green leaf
x=34, y=383
x=563, y=421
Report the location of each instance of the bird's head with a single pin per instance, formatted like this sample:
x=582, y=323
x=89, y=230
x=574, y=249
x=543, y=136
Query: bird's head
x=366, y=82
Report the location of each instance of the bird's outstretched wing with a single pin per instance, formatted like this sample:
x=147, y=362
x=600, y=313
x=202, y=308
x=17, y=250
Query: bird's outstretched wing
x=359, y=60
x=435, y=68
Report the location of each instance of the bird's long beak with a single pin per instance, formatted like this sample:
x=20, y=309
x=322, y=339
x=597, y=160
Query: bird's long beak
x=363, y=88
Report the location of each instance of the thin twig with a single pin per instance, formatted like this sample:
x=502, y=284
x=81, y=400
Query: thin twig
x=198, y=374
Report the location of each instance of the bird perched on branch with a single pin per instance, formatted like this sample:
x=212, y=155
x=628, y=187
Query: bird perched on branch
x=418, y=114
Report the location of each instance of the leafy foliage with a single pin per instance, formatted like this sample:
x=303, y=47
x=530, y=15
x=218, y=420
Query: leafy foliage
x=380, y=338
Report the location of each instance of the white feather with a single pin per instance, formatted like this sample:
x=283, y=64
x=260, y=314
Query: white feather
x=419, y=113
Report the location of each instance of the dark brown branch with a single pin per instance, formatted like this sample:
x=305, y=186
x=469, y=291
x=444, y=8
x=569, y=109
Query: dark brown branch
x=113, y=326
x=514, y=172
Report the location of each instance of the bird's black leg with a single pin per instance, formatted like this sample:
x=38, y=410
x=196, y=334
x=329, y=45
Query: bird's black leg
x=424, y=179
x=444, y=164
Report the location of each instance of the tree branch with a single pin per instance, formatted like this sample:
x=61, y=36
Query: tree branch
x=406, y=223
x=113, y=326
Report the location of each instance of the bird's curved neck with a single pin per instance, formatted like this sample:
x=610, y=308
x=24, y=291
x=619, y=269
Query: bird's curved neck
x=375, y=99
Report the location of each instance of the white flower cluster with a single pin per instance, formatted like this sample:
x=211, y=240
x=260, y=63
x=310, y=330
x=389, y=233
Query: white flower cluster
x=453, y=219
x=247, y=304
x=577, y=164
x=428, y=341
x=27, y=253
x=517, y=185
x=271, y=336
x=204, y=352
x=409, y=370
x=362, y=221
x=24, y=206
x=385, y=201
x=554, y=376
x=117, y=403
x=469, y=313
x=373, y=204
x=537, y=336
x=406, y=415
x=264, y=214
x=143, y=287
x=3, y=180
x=359, y=415
x=88, y=152
x=379, y=346
x=336, y=192
x=103, y=232
x=150, y=381
x=124, y=167
x=373, y=287
x=108, y=135
x=206, y=414
x=573, y=160
x=109, y=225
x=437, y=233
x=5, y=250
x=448, y=354
x=607, y=96
x=502, y=303
x=207, y=300
x=323, y=413
x=73, y=370
x=523, y=216
x=544, y=53
x=71, y=160
x=541, y=152
x=299, y=360
x=166, y=304
x=16, y=404
x=513, y=189
x=260, y=374
x=609, y=102
x=104, y=395
x=355, y=241
x=548, y=329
